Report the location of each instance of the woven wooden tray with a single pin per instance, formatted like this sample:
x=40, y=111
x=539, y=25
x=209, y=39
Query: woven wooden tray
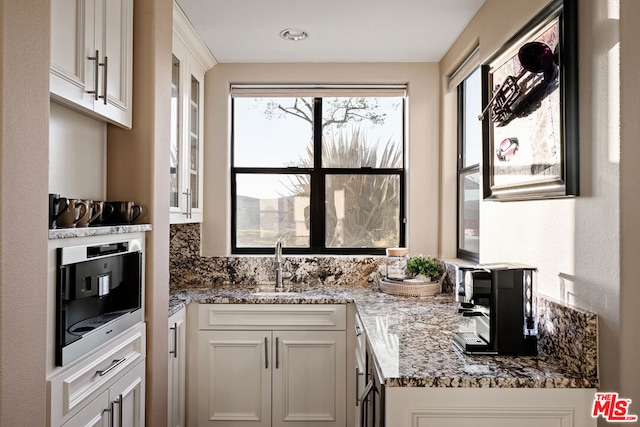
x=410, y=289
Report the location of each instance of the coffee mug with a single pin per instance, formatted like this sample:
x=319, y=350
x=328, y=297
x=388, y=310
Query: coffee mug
x=57, y=206
x=72, y=214
x=93, y=210
x=125, y=212
x=105, y=211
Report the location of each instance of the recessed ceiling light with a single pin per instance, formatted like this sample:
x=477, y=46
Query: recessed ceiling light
x=294, y=34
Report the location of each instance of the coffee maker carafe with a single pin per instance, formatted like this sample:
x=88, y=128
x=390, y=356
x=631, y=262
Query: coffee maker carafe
x=499, y=297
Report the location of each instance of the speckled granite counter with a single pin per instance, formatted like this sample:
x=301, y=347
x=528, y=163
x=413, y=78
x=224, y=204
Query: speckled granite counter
x=411, y=340
x=67, y=233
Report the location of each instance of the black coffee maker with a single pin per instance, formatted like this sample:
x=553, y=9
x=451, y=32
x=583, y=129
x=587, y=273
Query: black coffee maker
x=499, y=297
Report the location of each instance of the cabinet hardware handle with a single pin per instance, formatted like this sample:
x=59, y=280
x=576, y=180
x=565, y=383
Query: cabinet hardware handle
x=174, y=328
x=110, y=411
x=104, y=81
x=187, y=209
x=358, y=373
x=118, y=401
x=114, y=364
x=358, y=331
x=363, y=400
x=95, y=75
x=277, y=352
x=121, y=411
x=266, y=353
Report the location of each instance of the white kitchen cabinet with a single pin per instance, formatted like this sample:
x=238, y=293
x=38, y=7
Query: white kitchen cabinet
x=92, y=57
x=359, y=366
x=309, y=378
x=105, y=388
x=234, y=378
x=177, y=369
x=191, y=60
x=488, y=407
x=127, y=398
x=92, y=415
x=271, y=366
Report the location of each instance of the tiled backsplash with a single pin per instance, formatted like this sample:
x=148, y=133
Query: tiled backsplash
x=565, y=332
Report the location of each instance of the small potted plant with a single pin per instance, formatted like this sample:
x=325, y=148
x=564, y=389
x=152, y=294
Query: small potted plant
x=423, y=267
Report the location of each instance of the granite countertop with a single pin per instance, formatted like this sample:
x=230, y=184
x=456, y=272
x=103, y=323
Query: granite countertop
x=67, y=233
x=411, y=339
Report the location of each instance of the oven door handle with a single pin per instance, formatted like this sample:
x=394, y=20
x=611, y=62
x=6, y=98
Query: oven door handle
x=363, y=400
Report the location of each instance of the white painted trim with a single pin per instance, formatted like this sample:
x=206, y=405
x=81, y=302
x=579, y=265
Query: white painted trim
x=183, y=28
x=564, y=416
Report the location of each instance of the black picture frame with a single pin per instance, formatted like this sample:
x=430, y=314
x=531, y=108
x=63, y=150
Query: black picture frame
x=530, y=110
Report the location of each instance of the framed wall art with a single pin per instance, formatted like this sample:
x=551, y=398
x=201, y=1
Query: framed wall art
x=530, y=110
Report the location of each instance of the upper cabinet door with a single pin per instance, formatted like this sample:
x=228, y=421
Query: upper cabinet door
x=91, y=57
x=114, y=42
x=72, y=75
x=191, y=60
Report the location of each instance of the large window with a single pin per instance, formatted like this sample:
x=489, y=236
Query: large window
x=322, y=170
x=469, y=153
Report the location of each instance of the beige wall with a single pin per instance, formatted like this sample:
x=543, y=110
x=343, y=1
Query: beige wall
x=423, y=156
x=629, y=200
x=575, y=243
x=77, y=154
x=137, y=166
x=24, y=112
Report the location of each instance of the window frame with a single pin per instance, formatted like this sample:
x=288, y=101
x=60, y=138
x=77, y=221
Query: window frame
x=462, y=169
x=318, y=174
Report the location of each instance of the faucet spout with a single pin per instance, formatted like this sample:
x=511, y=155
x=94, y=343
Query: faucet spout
x=278, y=251
x=279, y=273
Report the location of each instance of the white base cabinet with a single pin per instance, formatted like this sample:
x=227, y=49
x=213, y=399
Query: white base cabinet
x=309, y=378
x=482, y=407
x=177, y=369
x=127, y=399
x=107, y=388
x=267, y=376
x=235, y=378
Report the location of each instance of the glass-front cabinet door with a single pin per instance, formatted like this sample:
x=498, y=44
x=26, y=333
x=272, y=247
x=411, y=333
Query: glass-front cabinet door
x=187, y=114
x=195, y=142
x=176, y=152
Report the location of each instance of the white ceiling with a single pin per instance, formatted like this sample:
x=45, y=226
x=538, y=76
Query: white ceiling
x=339, y=30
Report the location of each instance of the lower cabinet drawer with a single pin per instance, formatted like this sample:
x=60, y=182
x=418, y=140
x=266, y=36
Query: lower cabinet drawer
x=273, y=316
x=76, y=386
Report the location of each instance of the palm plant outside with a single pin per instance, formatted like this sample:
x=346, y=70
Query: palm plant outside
x=362, y=210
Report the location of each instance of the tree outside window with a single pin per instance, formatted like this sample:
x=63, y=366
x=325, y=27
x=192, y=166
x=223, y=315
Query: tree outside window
x=336, y=187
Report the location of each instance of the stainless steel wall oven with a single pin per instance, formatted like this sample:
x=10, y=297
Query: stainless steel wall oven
x=98, y=295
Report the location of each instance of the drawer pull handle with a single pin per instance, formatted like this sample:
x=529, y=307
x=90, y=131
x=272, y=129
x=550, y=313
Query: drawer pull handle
x=358, y=331
x=114, y=364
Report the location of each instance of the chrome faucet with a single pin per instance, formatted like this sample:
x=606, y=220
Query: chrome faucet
x=279, y=273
